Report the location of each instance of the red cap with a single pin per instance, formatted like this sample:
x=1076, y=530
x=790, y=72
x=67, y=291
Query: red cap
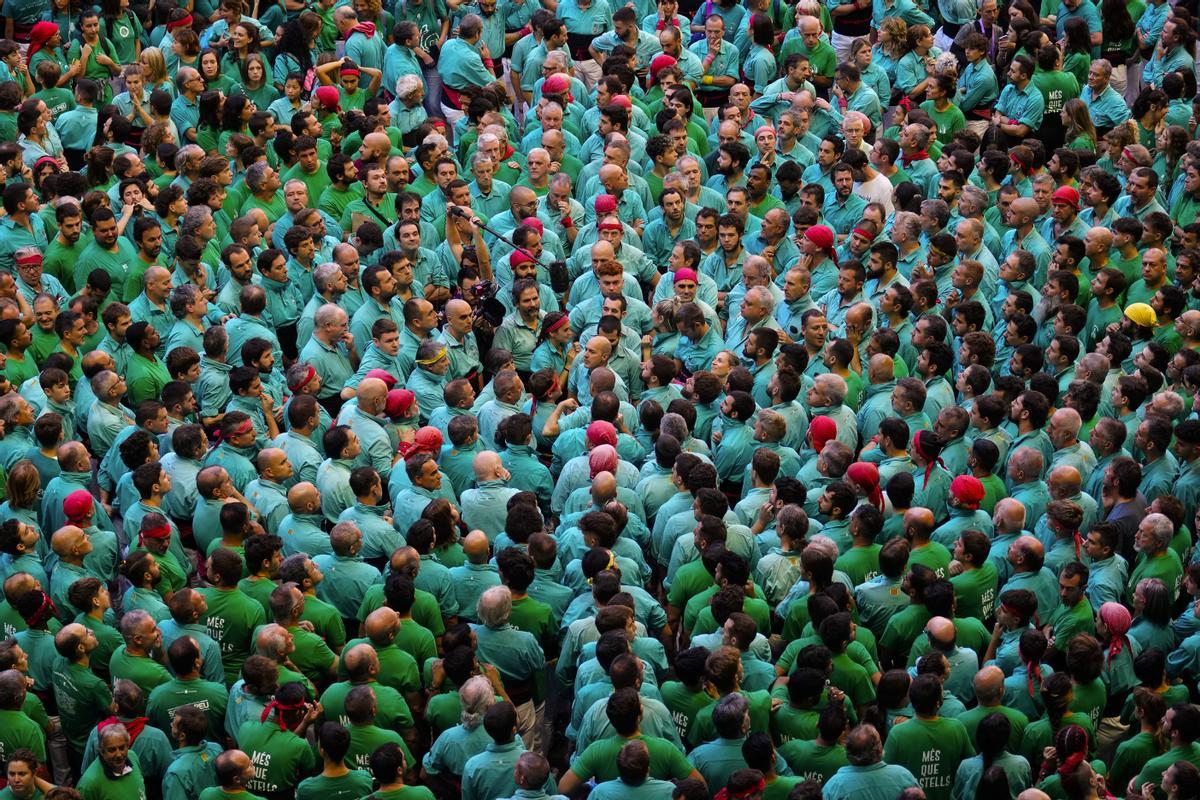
x=556, y=84
x=77, y=505
x=968, y=490
x=399, y=402
x=605, y=204
x=661, y=62
x=622, y=100
x=383, y=375
x=1067, y=195
x=601, y=432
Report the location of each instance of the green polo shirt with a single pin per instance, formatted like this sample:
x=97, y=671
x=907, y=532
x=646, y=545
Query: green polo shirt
x=145, y=672
x=353, y=785
x=83, y=699
x=95, y=784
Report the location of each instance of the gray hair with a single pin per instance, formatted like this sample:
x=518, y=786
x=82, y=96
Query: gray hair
x=559, y=59
x=256, y=174
x=193, y=218
x=1163, y=528
x=731, y=709
x=25, y=251
x=833, y=386
x=907, y=222
x=407, y=85
x=324, y=274
x=495, y=606
x=186, y=154
x=328, y=314
x=674, y=425
x=475, y=696
x=764, y=297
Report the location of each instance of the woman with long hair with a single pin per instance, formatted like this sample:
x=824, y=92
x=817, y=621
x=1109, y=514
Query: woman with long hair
x=1079, y=132
x=256, y=83
x=208, y=130
x=991, y=740
x=1077, y=49
x=96, y=53
x=891, y=47
x=1148, y=111
x=235, y=118
x=63, y=13
x=916, y=67
x=122, y=28
x=1118, y=43
x=210, y=72
x=24, y=494
x=1072, y=744
x=99, y=168
x=154, y=70
x=243, y=40
x=296, y=49
x=447, y=525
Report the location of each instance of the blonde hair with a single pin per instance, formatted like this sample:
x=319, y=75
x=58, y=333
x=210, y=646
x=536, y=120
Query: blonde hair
x=897, y=31
x=153, y=65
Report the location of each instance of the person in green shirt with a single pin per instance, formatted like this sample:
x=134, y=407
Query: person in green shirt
x=822, y=756
x=928, y=745
x=975, y=586
x=132, y=661
x=389, y=762
x=235, y=771
x=598, y=761
x=83, y=699
x=117, y=773
x=19, y=730
x=861, y=562
x=23, y=781
x=232, y=615
x=1138, y=750
x=193, y=767
x=366, y=737
x=187, y=688
x=276, y=744
x=336, y=781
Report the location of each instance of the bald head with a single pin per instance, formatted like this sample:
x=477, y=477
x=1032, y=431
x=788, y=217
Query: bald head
x=1009, y=516
x=378, y=144
x=382, y=625
x=1025, y=207
x=372, y=395
x=918, y=523
x=989, y=685
x=941, y=631
x=360, y=661
x=601, y=345
x=475, y=547
x=270, y=461
x=67, y=541
x=303, y=498
x=345, y=538
x=603, y=251
x=487, y=466
x=521, y=195
x=1064, y=482
x=272, y=642
x=604, y=487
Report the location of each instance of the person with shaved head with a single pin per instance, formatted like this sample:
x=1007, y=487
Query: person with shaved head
x=267, y=493
x=484, y=508
x=1027, y=557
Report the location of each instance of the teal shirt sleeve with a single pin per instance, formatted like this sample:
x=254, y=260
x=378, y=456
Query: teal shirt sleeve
x=909, y=72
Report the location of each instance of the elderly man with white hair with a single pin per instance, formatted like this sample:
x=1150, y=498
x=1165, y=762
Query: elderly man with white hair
x=1063, y=431
x=517, y=655
x=755, y=311
x=452, y=749
x=827, y=398
x=329, y=287
x=408, y=110
x=1158, y=559
x=331, y=351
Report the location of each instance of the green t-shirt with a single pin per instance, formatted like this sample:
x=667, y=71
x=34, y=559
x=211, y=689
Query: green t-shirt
x=599, y=760
x=975, y=591
x=353, y=785
x=392, y=710
x=860, y=563
x=217, y=793
x=812, y=761
x=20, y=731
x=280, y=757
x=83, y=700
x=145, y=672
x=95, y=784
x=685, y=705
x=931, y=749
x=231, y=617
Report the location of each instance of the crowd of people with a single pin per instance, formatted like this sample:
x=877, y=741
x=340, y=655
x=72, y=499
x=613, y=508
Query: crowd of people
x=677, y=400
